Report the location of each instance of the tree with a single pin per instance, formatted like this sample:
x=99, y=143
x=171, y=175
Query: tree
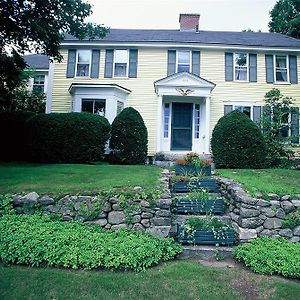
x=285, y=18
x=277, y=123
x=38, y=25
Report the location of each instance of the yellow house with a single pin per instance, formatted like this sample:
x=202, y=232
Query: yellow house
x=181, y=81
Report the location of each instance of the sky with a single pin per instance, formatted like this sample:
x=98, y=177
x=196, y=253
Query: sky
x=227, y=15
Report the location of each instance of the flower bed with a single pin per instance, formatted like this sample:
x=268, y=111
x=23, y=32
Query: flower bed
x=190, y=206
x=207, y=183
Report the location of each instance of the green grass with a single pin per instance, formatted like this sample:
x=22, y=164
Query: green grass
x=60, y=179
x=176, y=280
x=278, y=181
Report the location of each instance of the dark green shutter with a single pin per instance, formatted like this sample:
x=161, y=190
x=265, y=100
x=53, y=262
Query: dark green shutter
x=196, y=62
x=71, y=63
x=95, y=64
x=228, y=66
x=256, y=114
x=269, y=68
x=109, y=59
x=133, y=60
x=293, y=69
x=295, y=125
x=171, y=62
x=267, y=118
x=228, y=109
x=252, y=67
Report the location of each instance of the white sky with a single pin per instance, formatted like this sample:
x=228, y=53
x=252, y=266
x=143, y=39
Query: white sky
x=228, y=15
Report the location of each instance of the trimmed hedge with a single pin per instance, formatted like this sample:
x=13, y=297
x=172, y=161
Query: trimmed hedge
x=129, y=138
x=68, y=137
x=36, y=240
x=237, y=142
x=271, y=256
x=14, y=137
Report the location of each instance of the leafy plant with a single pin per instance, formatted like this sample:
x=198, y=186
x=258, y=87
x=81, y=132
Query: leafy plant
x=75, y=245
x=271, y=256
x=6, y=205
x=292, y=219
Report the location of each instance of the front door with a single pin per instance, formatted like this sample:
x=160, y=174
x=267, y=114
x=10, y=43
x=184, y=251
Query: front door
x=182, y=120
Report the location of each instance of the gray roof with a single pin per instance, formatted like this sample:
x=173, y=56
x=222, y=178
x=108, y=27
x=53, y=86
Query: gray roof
x=260, y=39
x=37, y=61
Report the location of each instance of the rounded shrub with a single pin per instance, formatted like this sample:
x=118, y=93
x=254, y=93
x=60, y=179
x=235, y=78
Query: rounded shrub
x=129, y=138
x=68, y=137
x=14, y=135
x=237, y=142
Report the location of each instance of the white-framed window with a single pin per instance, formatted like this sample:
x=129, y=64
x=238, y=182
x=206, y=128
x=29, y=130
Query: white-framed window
x=121, y=58
x=167, y=112
x=285, y=130
x=281, y=71
x=94, y=106
x=197, y=121
x=183, y=61
x=83, y=63
x=247, y=110
x=38, y=84
x=241, y=62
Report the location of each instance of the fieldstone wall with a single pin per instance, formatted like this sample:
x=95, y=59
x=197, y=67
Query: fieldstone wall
x=110, y=213
x=254, y=217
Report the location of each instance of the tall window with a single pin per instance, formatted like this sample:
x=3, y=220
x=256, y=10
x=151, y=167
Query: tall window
x=183, y=61
x=94, y=106
x=197, y=121
x=166, y=119
x=83, y=63
x=120, y=106
x=281, y=69
x=241, y=66
x=121, y=63
x=38, y=84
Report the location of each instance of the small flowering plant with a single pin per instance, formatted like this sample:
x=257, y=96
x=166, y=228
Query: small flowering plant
x=193, y=159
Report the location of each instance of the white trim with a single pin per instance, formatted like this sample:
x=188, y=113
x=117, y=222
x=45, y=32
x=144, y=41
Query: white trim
x=127, y=64
x=50, y=87
x=76, y=63
x=207, y=125
x=74, y=86
x=160, y=132
x=179, y=45
x=234, y=66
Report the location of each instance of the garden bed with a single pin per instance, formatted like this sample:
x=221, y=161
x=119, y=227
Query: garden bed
x=207, y=183
x=192, y=170
x=215, y=206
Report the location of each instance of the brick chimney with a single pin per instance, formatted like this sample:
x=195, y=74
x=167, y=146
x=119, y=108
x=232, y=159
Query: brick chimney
x=189, y=22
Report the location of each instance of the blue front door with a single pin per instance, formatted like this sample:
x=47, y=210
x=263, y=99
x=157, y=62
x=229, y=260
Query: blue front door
x=182, y=121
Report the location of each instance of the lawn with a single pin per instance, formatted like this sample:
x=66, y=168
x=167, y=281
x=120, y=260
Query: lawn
x=278, y=181
x=174, y=280
x=60, y=178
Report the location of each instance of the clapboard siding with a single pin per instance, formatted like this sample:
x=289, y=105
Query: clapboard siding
x=152, y=65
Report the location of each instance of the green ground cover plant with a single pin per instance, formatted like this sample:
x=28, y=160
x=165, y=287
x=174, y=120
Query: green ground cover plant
x=264, y=181
x=35, y=240
x=292, y=219
x=175, y=280
x=271, y=256
x=69, y=178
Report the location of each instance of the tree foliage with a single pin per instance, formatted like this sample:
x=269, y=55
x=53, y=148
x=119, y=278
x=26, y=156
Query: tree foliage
x=40, y=26
x=285, y=18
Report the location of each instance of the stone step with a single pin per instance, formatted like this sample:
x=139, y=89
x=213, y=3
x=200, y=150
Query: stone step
x=183, y=195
x=206, y=252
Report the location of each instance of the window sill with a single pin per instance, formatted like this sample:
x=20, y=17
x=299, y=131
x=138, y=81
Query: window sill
x=82, y=77
x=241, y=81
x=282, y=83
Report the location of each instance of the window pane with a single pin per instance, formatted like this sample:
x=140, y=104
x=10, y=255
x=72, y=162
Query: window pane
x=120, y=69
x=84, y=56
x=37, y=88
x=184, y=57
x=281, y=75
x=83, y=70
x=280, y=61
x=244, y=109
x=39, y=79
x=183, y=68
x=121, y=56
x=197, y=120
x=240, y=59
x=87, y=106
x=99, y=107
x=166, y=119
x=120, y=106
x=240, y=73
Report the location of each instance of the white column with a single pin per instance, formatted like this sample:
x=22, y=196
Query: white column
x=159, y=123
x=49, y=87
x=207, y=125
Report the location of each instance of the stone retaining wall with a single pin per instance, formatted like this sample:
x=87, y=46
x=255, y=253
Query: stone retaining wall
x=253, y=217
x=110, y=213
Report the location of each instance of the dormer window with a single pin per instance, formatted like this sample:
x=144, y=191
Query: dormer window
x=240, y=66
x=83, y=63
x=183, y=61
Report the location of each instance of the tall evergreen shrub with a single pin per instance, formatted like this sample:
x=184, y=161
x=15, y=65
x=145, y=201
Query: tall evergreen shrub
x=68, y=137
x=237, y=142
x=129, y=138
